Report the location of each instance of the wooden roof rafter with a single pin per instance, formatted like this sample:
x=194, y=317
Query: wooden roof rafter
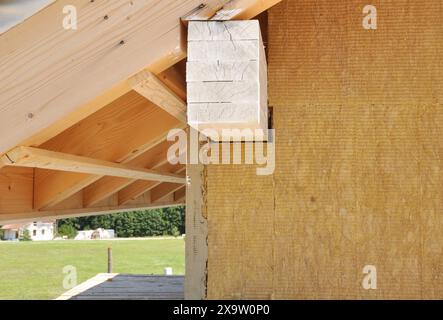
x=119, y=133
x=138, y=33
x=81, y=112
x=155, y=158
x=139, y=187
x=149, y=86
x=39, y=158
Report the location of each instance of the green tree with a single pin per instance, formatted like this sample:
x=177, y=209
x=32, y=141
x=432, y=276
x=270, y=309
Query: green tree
x=155, y=222
x=26, y=236
x=67, y=230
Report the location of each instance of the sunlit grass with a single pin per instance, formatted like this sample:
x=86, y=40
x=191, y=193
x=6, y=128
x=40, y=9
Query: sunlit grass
x=34, y=270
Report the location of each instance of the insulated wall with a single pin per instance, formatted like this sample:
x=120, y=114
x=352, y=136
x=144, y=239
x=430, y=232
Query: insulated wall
x=358, y=180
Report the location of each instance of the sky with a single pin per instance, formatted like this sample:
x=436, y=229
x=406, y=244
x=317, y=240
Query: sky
x=13, y=12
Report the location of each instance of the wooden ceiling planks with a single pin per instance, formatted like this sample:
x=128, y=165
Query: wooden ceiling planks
x=64, y=112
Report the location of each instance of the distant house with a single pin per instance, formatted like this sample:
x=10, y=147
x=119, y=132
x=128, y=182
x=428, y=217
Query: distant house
x=38, y=231
x=99, y=233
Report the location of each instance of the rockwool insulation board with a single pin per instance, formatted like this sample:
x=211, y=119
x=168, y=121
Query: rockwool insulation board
x=358, y=179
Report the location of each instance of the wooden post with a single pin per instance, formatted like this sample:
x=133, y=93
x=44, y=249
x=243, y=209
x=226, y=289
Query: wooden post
x=109, y=260
x=196, y=234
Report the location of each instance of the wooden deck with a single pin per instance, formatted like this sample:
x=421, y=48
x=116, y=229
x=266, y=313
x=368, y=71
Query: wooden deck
x=114, y=286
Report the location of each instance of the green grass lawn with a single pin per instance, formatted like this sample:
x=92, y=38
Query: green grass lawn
x=34, y=270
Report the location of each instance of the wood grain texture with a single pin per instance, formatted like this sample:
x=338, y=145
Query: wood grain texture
x=233, y=9
x=221, y=92
x=87, y=68
x=106, y=186
x=223, y=50
x=164, y=190
x=226, y=30
x=221, y=71
x=226, y=77
x=175, y=78
x=119, y=132
x=137, y=188
x=180, y=194
x=358, y=180
x=77, y=115
x=58, y=161
x=196, y=234
x=150, y=87
x=49, y=84
x=167, y=73
x=237, y=115
x=165, y=68
x=16, y=189
x=133, y=37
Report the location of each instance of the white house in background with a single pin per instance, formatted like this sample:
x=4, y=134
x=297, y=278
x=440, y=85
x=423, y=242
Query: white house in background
x=38, y=231
x=99, y=233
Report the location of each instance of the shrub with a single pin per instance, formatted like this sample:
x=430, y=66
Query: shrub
x=155, y=222
x=67, y=230
x=26, y=236
x=175, y=232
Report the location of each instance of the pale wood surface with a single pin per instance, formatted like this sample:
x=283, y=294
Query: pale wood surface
x=226, y=30
x=240, y=114
x=169, y=76
x=77, y=99
x=85, y=63
x=165, y=189
x=234, y=9
x=120, y=132
x=243, y=9
x=221, y=92
x=223, y=50
x=149, y=86
x=139, y=187
x=45, y=159
x=16, y=188
x=221, y=70
x=135, y=190
x=154, y=158
x=226, y=77
x=196, y=234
